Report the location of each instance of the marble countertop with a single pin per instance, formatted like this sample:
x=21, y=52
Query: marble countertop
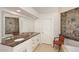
x=26, y=35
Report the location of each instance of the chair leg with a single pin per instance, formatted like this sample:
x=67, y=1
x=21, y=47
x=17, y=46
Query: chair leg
x=59, y=48
x=53, y=45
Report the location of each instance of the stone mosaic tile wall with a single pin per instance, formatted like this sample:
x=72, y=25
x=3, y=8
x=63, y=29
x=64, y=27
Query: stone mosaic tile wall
x=70, y=24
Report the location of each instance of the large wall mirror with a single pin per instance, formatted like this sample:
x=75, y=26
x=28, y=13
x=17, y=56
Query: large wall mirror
x=11, y=25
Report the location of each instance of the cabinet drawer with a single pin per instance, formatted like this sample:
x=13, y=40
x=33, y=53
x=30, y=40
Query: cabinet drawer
x=25, y=46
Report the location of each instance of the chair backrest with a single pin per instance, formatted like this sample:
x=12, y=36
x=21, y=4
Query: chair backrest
x=61, y=38
x=15, y=33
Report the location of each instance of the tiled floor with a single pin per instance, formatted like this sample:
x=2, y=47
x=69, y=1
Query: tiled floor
x=45, y=48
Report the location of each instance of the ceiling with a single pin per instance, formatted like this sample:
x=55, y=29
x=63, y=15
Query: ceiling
x=13, y=10
x=25, y=13
x=52, y=9
x=46, y=9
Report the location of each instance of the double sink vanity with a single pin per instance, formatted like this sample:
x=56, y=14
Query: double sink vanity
x=24, y=42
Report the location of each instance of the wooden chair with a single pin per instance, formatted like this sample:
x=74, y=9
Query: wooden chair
x=58, y=41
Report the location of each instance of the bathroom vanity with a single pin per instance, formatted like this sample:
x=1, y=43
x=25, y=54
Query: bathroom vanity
x=24, y=42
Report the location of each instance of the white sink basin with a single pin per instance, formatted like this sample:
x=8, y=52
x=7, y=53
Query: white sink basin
x=20, y=39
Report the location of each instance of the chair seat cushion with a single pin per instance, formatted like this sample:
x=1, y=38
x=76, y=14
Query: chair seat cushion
x=57, y=42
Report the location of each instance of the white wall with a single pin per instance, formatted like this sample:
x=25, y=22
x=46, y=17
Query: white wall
x=64, y=9
x=56, y=24
x=71, y=45
x=71, y=42
x=0, y=24
x=70, y=48
x=26, y=25
x=30, y=10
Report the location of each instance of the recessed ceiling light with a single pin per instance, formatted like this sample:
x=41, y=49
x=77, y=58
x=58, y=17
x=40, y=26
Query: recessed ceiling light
x=18, y=10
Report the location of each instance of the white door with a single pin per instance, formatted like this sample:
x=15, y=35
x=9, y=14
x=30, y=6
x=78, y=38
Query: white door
x=46, y=30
